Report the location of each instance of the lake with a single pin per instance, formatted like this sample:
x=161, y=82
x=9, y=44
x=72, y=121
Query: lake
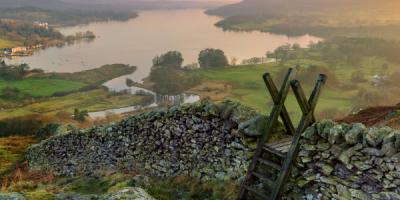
x=138, y=40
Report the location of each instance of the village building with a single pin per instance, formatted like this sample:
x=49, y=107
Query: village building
x=44, y=25
x=18, y=50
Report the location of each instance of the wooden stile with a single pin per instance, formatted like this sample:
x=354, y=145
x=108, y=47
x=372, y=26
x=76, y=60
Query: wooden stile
x=279, y=110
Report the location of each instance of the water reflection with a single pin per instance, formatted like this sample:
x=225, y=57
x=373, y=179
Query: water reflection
x=159, y=100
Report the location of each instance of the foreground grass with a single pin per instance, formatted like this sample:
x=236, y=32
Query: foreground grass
x=94, y=100
x=11, y=149
x=182, y=187
x=42, y=87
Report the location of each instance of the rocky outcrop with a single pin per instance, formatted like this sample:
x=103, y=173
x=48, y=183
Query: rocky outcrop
x=200, y=140
x=343, y=161
x=11, y=196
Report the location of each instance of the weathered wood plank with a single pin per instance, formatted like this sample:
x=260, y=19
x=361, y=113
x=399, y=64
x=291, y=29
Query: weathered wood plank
x=304, y=123
x=287, y=122
x=273, y=119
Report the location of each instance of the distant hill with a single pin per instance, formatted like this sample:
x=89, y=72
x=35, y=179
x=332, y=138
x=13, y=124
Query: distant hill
x=48, y=4
x=112, y=4
x=253, y=7
x=59, y=5
x=323, y=18
x=154, y=4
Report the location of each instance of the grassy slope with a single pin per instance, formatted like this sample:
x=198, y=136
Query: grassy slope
x=38, y=87
x=94, y=100
x=248, y=86
x=95, y=76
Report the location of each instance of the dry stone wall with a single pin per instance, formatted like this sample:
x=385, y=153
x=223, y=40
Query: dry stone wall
x=200, y=140
x=343, y=161
x=214, y=141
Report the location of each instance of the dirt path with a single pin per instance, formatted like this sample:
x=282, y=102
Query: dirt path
x=383, y=115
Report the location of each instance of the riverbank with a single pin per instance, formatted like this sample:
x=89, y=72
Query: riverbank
x=22, y=38
x=298, y=26
x=55, y=96
x=61, y=108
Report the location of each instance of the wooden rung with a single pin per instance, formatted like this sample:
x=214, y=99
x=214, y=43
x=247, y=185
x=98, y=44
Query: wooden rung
x=256, y=192
x=264, y=178
x=273, y=151
x=280, y=145
x=283, y=149
x=270, y=164
x=281, y=142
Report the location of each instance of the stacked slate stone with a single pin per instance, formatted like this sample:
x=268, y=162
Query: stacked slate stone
x=199, y=140
x=342, y=161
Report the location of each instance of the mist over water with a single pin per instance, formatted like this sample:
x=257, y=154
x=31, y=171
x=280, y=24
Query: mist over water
x=137, y=41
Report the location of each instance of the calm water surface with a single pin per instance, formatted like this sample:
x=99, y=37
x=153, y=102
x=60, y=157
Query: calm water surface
x=137, y=41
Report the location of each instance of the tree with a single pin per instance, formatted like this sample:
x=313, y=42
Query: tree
x=129, y=82
x=80, y=116
x=296, y=46
x=210, y=58
x=281, y=53
x=172, y=59
x=233, y=61
x=167, y=81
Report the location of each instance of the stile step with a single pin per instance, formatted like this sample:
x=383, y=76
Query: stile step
x=270, y=164
x=264, y=178
x=273, y=151
x=256, y=192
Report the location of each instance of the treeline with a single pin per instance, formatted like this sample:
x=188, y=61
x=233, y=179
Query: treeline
x=340, y=50
x=314, y=24
x=27, y=125
x=352, y=50
x=30, y=125
x=168, y=74
x=66, y=17
x=27, y=33
x=15, y=72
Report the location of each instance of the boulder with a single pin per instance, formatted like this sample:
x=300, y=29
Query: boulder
x=354, y=135
x=11, y=196
x=129, y=193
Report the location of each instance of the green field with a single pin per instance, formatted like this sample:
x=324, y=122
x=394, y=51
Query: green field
x=248, y=87
x=94, y=100
x=42, y=87
x=95, y=76
x=7, y=43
